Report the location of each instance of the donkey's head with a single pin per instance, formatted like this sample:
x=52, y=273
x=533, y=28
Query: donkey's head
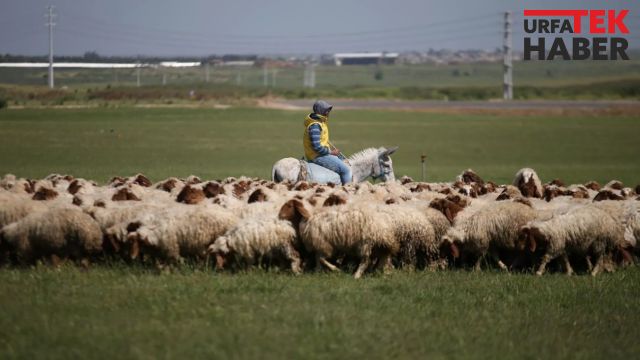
x=383, y=168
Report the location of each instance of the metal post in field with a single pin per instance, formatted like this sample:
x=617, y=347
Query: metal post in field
x=274, y=75
x=508, y=65
x=138, y=74
x=206, y=72
x=164, y=78
x=312, y=76
x=50, y=15
x=423, y=160
x=265, y=75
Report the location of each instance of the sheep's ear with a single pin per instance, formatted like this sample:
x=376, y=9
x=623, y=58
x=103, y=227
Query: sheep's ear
x=455, y=252
x=287, y=211
x=448, y=214
x=302, y=210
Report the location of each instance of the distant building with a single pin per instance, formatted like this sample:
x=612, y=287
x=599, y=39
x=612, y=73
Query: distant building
x=365, y=58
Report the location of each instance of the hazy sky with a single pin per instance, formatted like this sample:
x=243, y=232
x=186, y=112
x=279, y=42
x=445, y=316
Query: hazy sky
x=199, y=27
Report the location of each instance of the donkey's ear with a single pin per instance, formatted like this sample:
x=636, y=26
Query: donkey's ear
x=390, y=151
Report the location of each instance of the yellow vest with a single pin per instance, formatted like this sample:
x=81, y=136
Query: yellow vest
x=309, y=153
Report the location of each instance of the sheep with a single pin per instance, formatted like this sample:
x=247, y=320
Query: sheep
x=57, y=232
x=180, y=231
x=14, y=207
x=587, y=230
x=492, y=228
x=348, y=230
x=415, y=236
x=528, y=183
x=254, y=238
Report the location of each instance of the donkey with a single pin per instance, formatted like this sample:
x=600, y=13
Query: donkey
x=371, y=162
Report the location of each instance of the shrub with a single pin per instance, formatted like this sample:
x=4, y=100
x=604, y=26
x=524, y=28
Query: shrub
x=3, y=103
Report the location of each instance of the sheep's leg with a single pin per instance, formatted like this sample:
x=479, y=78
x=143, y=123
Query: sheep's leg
x=84, y=262
x=476, y=266
x=320, y=260
x=543, y=264
x=567, y=265
x=596, y=269
x=589, y=263
x=293, y=256
x=364, y=264
x=384, y=263
x=496, y=258
x=56, y=261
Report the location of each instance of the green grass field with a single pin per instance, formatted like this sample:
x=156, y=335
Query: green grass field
x=213, y=143
x=129, y=312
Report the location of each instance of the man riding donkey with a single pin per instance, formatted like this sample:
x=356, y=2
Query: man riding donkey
x=317, y=147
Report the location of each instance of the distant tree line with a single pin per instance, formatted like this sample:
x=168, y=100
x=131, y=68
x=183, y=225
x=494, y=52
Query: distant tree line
x=93, y=56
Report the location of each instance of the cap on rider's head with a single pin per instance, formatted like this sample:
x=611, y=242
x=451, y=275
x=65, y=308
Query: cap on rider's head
x=322, y=107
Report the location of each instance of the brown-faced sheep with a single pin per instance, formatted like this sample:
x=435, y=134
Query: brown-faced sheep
x=491, y=230
x=528, y=183
x=588, y=231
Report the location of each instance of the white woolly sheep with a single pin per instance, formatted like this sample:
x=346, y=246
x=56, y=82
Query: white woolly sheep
x=180, y=231
x=349, y=230
x=587, y=230
x=61, y=232
x=251, y=240
x=491, y=229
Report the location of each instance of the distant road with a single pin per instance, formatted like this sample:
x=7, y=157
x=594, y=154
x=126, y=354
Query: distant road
x=462, y=105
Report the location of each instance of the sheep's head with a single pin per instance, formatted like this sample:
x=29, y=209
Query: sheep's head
x=607, y=194
x=124, y=194
x=190, y=195
x=213, y=189
x=257, y=196
x=531, y=238
x=295, y=212
x=44, y=193
x=333, y=200
x=553, y=191
x=142, y=180
x=220, y=248
x=137, y=241
x=529, y=188
x=446, y=207
x=452, y=242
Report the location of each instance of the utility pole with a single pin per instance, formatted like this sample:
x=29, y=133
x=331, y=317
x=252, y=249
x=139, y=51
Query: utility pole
x=50, y=15
x=274, y=75
x=312, y=76
x=138, y=74
x=508, y=65
x=265, y=75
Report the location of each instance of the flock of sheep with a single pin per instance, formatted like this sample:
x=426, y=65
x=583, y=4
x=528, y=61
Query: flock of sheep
x=241, y=222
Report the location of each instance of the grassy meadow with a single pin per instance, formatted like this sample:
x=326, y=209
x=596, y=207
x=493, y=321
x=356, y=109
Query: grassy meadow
x=216, y=143
x=116, y=310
